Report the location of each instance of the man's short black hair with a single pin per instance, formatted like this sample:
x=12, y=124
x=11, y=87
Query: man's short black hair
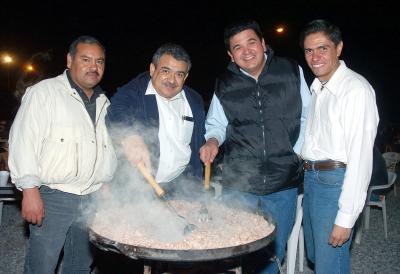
x=84, y=39
x=321, y=25
x=239, y=26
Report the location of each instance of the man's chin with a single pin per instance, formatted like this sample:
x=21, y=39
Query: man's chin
x=317, y=72
x=92, y=83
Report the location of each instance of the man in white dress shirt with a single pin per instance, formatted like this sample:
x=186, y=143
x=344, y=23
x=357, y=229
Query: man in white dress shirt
x=172, y=114
x=338, y=146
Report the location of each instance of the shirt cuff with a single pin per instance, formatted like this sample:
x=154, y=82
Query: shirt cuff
x=207, y=137
x=346, y=220
x=28, y=181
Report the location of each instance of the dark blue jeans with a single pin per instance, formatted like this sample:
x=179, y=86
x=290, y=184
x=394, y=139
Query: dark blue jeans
x=64, y=226
x=281, y=206
x=320, y=206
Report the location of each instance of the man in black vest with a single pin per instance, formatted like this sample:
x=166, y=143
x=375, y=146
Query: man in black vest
x=257, y=111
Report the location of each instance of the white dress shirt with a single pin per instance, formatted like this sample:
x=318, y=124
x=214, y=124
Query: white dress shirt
x=175, y=134
x=341, y=126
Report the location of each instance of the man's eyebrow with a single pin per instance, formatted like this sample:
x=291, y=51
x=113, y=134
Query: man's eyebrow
x=177, y=71
x=235, y=46
x=181, y=71
x=90, y=57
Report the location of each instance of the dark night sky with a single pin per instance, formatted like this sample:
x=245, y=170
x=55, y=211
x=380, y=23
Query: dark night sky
x=371, y=32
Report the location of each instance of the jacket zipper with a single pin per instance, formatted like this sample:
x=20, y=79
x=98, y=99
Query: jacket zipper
x=95, y=133
x=262, y=127
x=77, y=159
x=95, y=138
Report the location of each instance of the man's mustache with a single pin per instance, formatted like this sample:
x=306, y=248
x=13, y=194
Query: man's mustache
x=169, y=85
x=92, y=72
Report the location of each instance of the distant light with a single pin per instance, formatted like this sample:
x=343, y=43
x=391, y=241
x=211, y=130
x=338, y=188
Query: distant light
x=29, y=68
x=7, y=59
x=280, y=29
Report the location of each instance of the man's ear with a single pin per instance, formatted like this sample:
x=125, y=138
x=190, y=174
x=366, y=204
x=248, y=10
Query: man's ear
x=339, y=49
x=187, y=74
x=152, y=69
x=264, y=45
x=69, y=60
x=230, y=55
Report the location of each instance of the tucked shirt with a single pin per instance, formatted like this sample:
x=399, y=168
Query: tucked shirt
x=216, y=121
x=342, y=126
x=175, y=133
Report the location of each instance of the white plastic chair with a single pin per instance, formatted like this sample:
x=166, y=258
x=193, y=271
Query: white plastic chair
x=6, y=191
x=381, y=203
x=296, y=237
x=391, y=159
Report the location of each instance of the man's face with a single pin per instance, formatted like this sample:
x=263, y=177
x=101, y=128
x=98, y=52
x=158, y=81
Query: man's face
x=87, y=66
x=169, y=76
x=322, y=55
x=247, y=51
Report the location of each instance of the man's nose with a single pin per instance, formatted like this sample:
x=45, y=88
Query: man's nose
x=246, y=50
x=315, y=55
x=93, y=66
x=172, y=77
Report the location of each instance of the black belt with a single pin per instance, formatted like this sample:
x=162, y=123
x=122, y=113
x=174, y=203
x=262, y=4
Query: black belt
x=323, y=165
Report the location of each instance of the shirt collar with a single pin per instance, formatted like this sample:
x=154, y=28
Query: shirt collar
x=333, y=82
x=97, y=90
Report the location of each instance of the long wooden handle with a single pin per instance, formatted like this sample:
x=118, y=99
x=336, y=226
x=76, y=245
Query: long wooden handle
x=207, y=175
x=150, y=179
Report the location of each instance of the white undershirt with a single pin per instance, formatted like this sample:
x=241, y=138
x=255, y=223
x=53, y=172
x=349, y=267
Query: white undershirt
x=174, y=134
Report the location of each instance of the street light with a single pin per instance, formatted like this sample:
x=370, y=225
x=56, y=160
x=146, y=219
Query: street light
x=280, y=29
x=7, y=60
x=29, y=68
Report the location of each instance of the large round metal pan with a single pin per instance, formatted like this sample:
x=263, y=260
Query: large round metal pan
x=192, y=255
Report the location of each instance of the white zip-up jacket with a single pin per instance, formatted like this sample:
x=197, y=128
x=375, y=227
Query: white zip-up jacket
x=53, y=141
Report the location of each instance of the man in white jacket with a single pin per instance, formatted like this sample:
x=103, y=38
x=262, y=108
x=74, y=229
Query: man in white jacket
x=60, y=154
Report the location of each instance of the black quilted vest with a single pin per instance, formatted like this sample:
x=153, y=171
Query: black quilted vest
x=263, y=126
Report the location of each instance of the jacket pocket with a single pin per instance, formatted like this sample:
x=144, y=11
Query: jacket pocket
x=108, y=161
x=59, y=159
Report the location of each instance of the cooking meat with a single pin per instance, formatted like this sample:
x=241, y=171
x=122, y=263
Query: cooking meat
x=143, y=227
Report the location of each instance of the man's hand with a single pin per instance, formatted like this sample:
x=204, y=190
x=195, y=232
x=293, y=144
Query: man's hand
x=32, y=206
x=209, y=151
x=339, y=235
x=136, y=151
x=104, y=192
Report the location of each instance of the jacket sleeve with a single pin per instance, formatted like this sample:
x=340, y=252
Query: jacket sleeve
x=121, y=113
x=27, y=136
